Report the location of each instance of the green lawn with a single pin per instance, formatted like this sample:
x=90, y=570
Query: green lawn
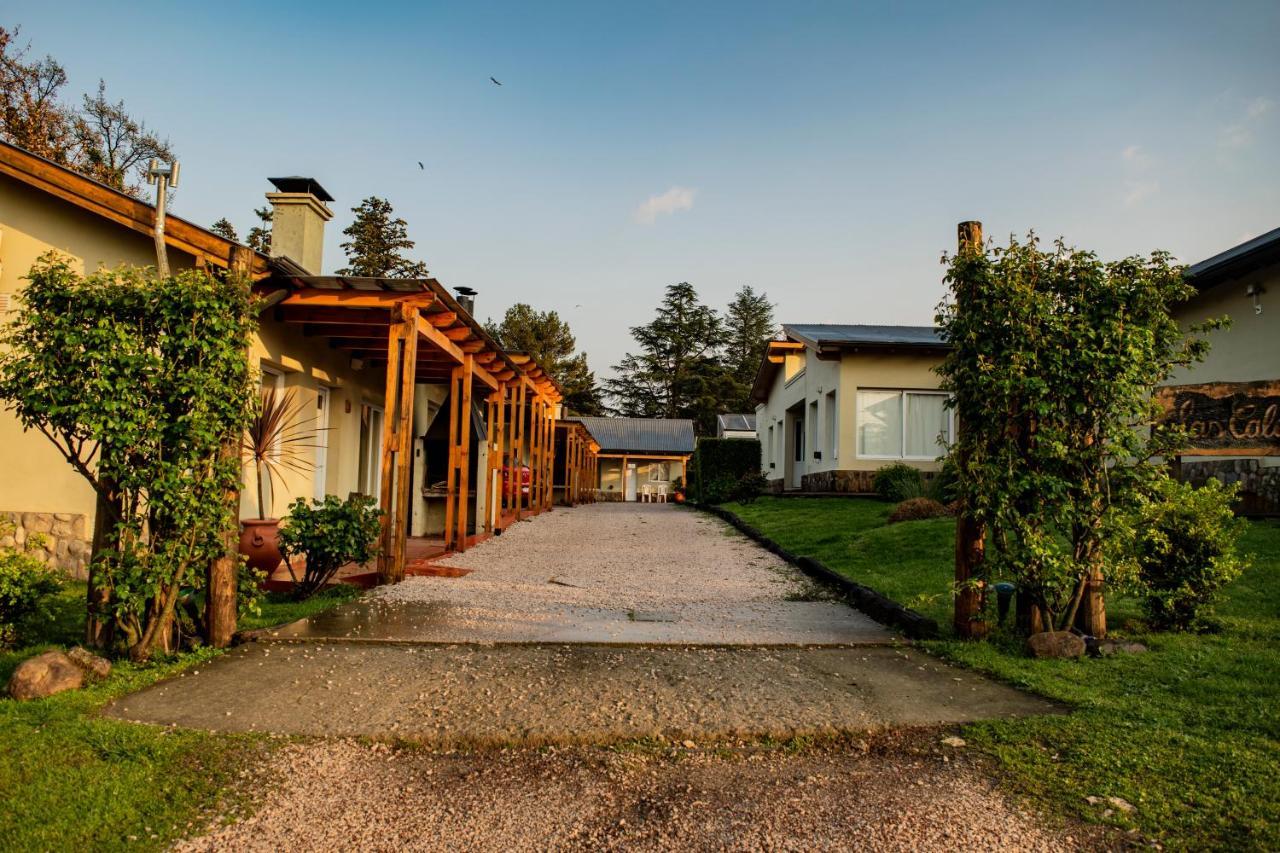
x=70, y=779
x=1188, y=733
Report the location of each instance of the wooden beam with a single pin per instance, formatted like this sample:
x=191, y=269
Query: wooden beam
x=457, y=333
x=970, y=550
x=322, y=315
x=397, y=442
x=464, y=450
x=317, y=298
x=442, y=319
x=432, y=334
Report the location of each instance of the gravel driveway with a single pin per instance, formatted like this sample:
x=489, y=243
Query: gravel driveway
x=655, y=574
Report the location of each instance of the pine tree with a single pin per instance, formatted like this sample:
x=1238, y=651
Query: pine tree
x=677, y=373
x=548, y=338
x=259, y=238
x=224, y=228
x=748, y=325
x=376, y=241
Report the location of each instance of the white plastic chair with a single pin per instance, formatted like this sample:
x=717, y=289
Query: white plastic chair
x=662, y=492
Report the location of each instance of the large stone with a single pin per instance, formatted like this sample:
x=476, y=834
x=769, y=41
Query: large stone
x=37, y=522
x=45, y=675
x=95, y=665
x=1106, y=648
x=1055, y=644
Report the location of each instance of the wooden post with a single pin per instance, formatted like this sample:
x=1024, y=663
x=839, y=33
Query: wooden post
x=220, y=577
x=504, y=395
x=397, y=440
x=970, y=534
x=464, y=373
x=486, y=476
x=518, y=465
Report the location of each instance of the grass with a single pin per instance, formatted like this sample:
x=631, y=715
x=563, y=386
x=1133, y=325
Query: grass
x=71, y=779
x=1189, y=733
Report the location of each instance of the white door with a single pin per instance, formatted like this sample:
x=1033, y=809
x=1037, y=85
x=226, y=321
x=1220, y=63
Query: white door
x=629, y=476
x=321, y=470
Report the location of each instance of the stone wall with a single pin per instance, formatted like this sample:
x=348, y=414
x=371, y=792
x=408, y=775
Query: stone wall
x=65, y=539
x=1259, y=485
x=850, y=482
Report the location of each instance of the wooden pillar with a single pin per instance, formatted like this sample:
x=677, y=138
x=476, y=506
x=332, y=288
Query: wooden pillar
x=518, y=465
x=465, y=376
x=970, y=534
x=624, y=479
x=539, y=434
x=451, y=475
x=221, y=573
x=490, y=433
x=397, y=440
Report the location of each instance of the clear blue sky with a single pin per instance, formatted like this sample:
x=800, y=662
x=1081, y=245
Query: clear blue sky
x=820, y=152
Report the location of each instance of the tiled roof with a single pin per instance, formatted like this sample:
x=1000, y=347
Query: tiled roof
x=641, y=435
x=836, y=334
x=736, y=422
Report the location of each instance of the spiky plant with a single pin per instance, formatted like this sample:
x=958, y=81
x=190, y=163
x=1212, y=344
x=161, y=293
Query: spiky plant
x=276, y=440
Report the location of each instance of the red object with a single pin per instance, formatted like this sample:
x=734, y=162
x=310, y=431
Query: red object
x=259, y=544
x=509, y=489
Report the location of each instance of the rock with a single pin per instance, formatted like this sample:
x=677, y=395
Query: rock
x=688, y=744
x=1055, y=644
x=1122, y=804
x=95, y=665
x=957, y=742
x=1106, y=648
x=45, y=675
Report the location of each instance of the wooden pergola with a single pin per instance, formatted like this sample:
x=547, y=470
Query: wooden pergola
x=421, y=335
x=577, y=463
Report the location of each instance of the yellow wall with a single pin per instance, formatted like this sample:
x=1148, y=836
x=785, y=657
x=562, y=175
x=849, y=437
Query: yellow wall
x=37, y=479
x=1247, y=351
x=906, y=372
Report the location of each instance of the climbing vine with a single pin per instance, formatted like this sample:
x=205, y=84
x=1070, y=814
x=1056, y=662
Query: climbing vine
x=138, y=381
x=1054, y=357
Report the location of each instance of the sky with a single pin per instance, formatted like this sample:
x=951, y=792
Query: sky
x=822, y=153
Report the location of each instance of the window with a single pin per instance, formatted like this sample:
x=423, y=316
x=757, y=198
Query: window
x=371, y=451
x=833, y=427
x=792, y=366
x=769, y=448
x=797, y=434
x=903, y=424
x=658, y=472
x=814, y=439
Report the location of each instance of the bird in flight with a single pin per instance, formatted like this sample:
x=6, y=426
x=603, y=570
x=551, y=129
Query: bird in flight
x=422, y=167
x=495, y=81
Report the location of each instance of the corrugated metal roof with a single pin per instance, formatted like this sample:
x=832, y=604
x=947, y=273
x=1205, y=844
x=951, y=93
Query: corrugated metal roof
x=818, y=334
x=736, y=422
x=641, y=435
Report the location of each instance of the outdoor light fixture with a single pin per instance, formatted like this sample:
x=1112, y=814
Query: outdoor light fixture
x=163, y=177
x=1256, y=290
x=357, y=363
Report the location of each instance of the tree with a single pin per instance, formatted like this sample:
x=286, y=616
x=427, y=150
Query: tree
x=98, y=139
x=546, y=337
x=31, y=115
x=112, y=146
x=1053, y=358
x=376, y=242
x=224, y=228
x=748, y=325
x=259, y=237
x=677, y=373
x=139, y=383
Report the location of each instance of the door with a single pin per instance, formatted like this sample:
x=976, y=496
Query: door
x=320, y=473
x=629, y=477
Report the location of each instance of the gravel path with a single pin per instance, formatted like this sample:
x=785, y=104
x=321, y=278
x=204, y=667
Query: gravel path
x=903, y=797
x=605, y=573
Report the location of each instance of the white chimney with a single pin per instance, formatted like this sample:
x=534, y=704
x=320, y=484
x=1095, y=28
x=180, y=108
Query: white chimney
x=298, y=215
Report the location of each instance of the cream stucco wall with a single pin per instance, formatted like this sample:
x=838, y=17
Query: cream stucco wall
x=793, y=397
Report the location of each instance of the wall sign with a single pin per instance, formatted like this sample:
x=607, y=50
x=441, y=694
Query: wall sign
x=1225, y=418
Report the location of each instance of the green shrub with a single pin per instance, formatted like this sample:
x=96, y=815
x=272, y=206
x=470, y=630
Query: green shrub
x=330, y=534
x=943, y=487
x=1186, y=551
x=718, y=464
x=914, y=509
x=25, y=585
x=749, y=487
x=898, y=482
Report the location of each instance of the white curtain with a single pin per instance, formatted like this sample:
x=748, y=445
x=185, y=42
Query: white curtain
x=879, y=423
x=926, y=425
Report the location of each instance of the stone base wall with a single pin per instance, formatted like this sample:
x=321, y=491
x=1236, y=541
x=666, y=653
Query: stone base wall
x=1259, y=485
x=65, y=539
x=849, y=482
x=775, y=487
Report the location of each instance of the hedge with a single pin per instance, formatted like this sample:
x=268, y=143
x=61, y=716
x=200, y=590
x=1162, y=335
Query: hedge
x=719, y=463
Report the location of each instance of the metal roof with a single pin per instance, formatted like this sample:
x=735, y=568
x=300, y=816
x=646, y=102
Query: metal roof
x=1236, y=261
x=641, y=435
x=736, y=422
x=834, y=334
x=299, y=184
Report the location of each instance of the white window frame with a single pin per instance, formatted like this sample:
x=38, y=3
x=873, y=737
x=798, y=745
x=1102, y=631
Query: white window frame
x=902, y=417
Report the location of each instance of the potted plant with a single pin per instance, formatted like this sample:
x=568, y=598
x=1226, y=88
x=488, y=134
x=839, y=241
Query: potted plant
x=275, y=441
x=677, y=489
x=328, y=534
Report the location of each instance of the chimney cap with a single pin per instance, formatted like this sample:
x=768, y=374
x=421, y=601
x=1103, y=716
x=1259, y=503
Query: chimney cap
x=298, y=184
x=462, y=290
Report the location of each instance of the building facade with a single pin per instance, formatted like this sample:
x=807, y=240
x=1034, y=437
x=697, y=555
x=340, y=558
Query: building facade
x=837, y=402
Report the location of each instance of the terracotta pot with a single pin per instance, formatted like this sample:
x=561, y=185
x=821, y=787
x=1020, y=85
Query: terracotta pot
x=679, y=497
x=259, y=543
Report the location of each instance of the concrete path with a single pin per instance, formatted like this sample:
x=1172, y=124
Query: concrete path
x=533, y=695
